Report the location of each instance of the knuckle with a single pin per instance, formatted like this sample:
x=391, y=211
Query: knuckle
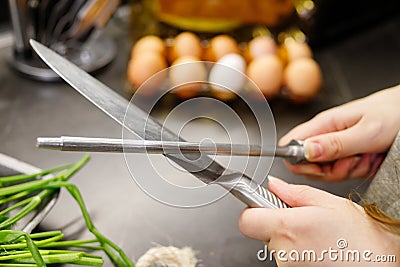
x=374, y=130
x=302, y=193
x=323, y=115
x=303, y=189
x=284, y=230
x=336, y=146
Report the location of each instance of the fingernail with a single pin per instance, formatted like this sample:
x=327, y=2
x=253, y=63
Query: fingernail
x=355, y=162
x=276, y=181
x=312, y=150
x=310, y=170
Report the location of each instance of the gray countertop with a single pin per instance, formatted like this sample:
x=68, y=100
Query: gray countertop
x=352, y=68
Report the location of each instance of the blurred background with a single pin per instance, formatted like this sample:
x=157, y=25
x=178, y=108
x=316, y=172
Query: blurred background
x=337, y=51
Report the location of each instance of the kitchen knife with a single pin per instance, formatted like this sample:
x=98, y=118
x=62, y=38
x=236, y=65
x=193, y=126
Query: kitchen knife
x=140, y=123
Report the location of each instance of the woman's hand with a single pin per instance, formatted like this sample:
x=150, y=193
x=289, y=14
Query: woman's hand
x=350, y=138
x=317, y=221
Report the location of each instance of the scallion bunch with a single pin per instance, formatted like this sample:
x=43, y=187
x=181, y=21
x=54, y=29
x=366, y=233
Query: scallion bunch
x=22, y=194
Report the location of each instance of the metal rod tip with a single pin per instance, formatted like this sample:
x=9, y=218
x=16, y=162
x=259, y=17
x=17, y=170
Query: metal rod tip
x=49, y=143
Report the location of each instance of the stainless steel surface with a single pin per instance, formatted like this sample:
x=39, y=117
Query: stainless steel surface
x=96, y=53
x=140, y=123
x=90, y=144
x=352, y=68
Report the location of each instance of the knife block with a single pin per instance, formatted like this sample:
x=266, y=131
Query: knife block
x=39, y=20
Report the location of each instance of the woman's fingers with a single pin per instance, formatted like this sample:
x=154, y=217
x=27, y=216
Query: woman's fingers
x=313, y=169
x=263, y=223
x=340, y=169
x=367, y=166
x=332, y=120
x=299, y=195
x=358, y=139
x=259, y=223
x=367, y=125
x=350, y=167
x=331, y=172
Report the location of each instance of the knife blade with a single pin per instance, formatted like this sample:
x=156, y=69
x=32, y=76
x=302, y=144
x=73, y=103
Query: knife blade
x=140, y=123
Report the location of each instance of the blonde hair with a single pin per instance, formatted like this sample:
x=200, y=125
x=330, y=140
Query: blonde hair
x=376, y=214
x=373, y=211
x=389, y=223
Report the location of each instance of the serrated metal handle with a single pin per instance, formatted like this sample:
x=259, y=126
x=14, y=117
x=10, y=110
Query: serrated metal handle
x=249, y=192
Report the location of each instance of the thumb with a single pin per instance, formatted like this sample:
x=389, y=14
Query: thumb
x=335, y=145
x=299, y=195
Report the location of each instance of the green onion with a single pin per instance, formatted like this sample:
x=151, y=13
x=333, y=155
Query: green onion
x=24, y=194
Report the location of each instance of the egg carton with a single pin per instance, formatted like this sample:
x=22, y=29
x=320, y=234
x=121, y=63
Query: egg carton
x=288, y=70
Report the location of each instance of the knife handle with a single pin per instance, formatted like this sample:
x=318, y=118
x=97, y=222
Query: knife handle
x=249, y=192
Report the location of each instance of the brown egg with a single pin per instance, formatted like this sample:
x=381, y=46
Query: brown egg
x=303, y=79
x=266, y=72
x=186, y=44
x=142, y=67
x=187, y=74
x=220, y=46
x=259, y=46
x=295, y=50
x=149, y=43
x=222, y=94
